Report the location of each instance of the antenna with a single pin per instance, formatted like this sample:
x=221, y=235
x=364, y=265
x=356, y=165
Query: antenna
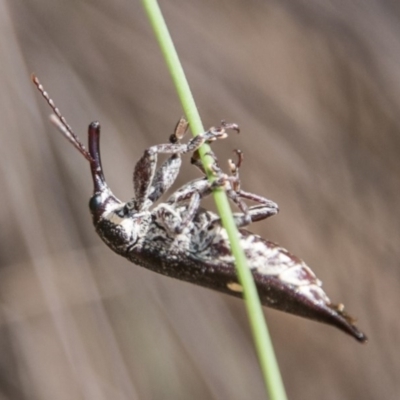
x=61, y=123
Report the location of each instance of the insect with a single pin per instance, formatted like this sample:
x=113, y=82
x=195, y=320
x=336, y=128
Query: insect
x=180, y=239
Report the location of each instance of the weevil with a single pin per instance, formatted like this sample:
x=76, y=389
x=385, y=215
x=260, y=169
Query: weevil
x=180, y=239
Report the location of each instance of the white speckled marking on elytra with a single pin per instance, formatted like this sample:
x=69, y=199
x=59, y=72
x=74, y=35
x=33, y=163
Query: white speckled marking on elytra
x=235, y=287
x=298, y=275
x=314, y=293
x=272, y=262
x=222, y=233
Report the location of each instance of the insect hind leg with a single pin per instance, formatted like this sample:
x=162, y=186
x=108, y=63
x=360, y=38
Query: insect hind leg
x=265, y=207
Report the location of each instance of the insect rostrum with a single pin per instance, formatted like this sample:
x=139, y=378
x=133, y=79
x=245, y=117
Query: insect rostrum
x=180, y=239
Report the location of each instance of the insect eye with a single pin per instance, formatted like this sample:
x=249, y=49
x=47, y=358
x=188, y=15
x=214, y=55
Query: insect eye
x=95, y=202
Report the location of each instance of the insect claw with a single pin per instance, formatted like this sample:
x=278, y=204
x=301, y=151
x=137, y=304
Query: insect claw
x=215, y=133
x=232, y=126
x=240, y=156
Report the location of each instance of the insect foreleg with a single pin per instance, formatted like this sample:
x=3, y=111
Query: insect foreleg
x=164, y=178
x=145, y=169
x=167, y=173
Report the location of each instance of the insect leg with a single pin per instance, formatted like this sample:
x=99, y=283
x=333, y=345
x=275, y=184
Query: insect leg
x=182, y=206
x=255, y=213
x=145, y=169
x=264, y=209
x=166, y=175
x=192, y=193
x=202, y=188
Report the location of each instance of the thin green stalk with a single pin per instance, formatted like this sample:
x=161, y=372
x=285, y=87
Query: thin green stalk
x=258, y=325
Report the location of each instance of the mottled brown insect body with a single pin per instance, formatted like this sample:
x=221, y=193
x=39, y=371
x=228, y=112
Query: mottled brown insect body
x=178, y=238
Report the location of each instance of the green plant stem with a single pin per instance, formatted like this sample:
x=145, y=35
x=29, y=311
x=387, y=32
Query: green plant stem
x=258, y=325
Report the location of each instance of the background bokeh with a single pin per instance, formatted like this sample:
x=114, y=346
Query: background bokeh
x=315, y=87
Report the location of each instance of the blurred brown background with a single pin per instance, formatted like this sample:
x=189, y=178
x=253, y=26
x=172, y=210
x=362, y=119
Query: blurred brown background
x=315, y=87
